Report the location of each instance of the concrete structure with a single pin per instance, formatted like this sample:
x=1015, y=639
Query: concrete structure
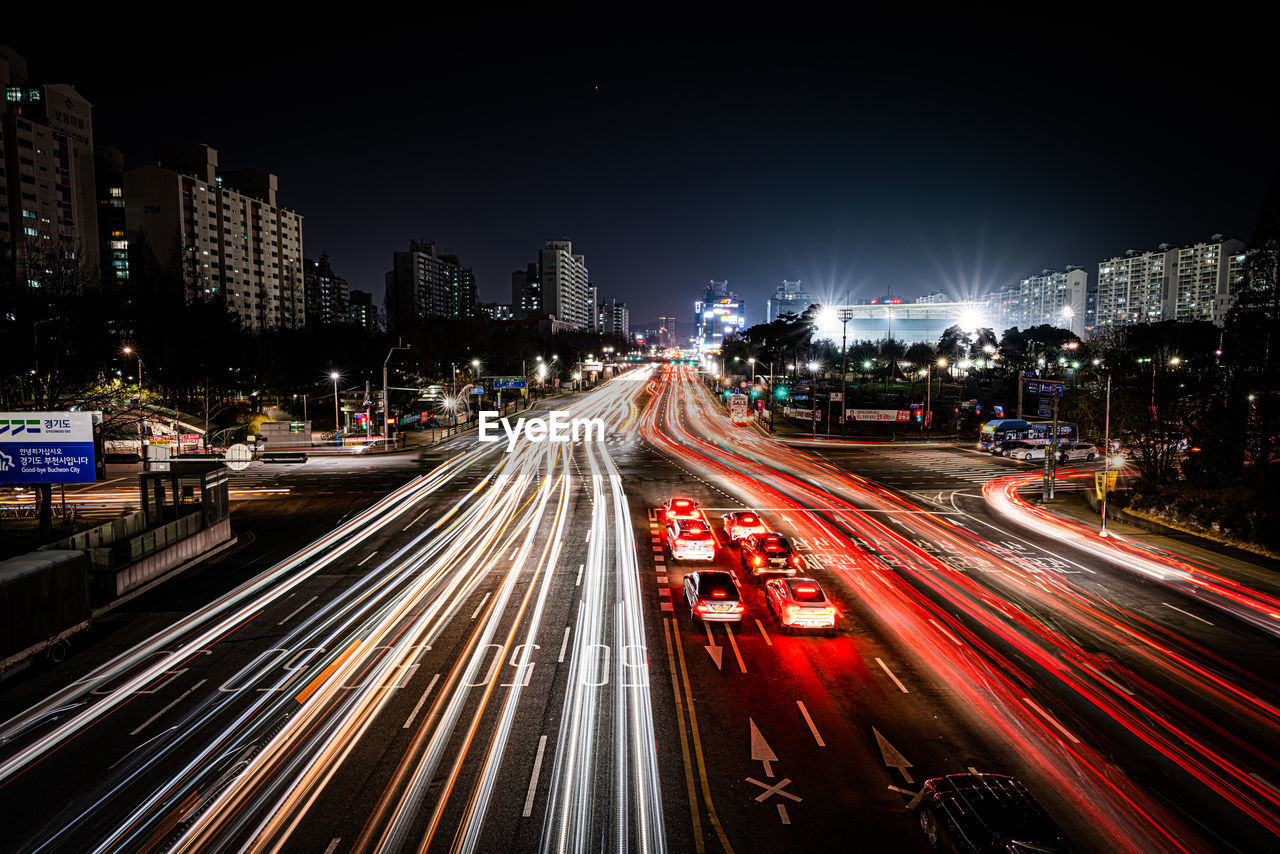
x=787, y=297
x=1054, y=297
x=223, y=235
x=1132, y=287
x=593, y=308
x=327, y=295
x=497, y=311
x=565, y=285
x=720, y=312
x=47, y=185
x=1208, y=277
x=423, y=284
x=933, y=297
x=113, y=241
x=361, y=312
x=526, y=292
x=615, y=318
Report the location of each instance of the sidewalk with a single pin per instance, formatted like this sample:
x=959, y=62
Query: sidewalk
x=1257, y=571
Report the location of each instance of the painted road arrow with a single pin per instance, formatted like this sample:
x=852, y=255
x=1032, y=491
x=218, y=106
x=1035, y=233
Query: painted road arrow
x=716, y=652
x=892, y=758
x=760, y=751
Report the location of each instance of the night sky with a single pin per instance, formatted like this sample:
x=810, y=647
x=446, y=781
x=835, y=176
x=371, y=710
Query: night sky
x=871, y=154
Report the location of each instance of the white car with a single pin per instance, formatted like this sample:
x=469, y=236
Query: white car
x=1077, y=451
x=690, y=539
x=799, y=603
x=1029, y=451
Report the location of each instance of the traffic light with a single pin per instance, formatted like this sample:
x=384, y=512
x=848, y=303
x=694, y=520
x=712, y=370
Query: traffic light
x=917, y=411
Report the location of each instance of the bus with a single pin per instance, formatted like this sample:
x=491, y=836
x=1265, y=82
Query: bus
x=994, y=433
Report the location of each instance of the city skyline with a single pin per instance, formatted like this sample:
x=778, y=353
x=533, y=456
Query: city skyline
x=958, y=161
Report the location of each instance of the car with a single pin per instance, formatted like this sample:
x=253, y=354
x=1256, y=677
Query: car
x=1028, y=451
x=1002, y=449
x=681, y=508
x=742, y=523
x=690, y=539
x=713, y=596
x=766, y=553
x=980, y=813
x=799, y=603
x=1077, y=451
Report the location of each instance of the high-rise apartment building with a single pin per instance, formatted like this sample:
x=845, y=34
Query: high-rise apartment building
x=720, y=312
x=423, y=283
x=326, y=293
x=615, y=318
x=526, y=292
x=1208, y=276
x=594, y=308
x=1054, y=297
x=788, y=297
x=565, y=285
x=49, y=207
x=667, y=333
x=1132, y=287
x=361, y=312
x=222, y=235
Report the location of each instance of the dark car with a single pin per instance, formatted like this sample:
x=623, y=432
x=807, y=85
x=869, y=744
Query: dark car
x=767, y=553
x=713, y=596
x=984, y=814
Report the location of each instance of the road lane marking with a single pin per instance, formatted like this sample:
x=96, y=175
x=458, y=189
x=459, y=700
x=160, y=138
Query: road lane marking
x=697, y=751
x=533, y=778
x=943, y=629
x=973, y=770
x=664, y=592
x=476, y=612
x=300, y=607
x=578, y=583
x=367, y=557
x=813, y=729
x=1048, y=717
x=885, y=668
x=734, y=643
x=333, y=845
x=564, y=644
x=684, y=744
x=775, y=789
x=782, y=814
x=1188, y=613
x=416, y=518
x=152, y=719
x=421, y=700
x=763, y=632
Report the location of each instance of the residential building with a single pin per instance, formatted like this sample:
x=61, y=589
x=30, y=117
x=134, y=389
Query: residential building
x=1207, y=278
x=720, y=312
x=1132, y=287
x=593, y=308
x=565, y=285
x=497, y=311
x=47, y=183
x=788, y=297
x=113, y=240
x=423, y=283
x=667, y=332
x=222, y=235
x=327, y=296
x=1054, y=297
x=615, y=318
x=933, y=297
x=526, y=292
x=361, y=312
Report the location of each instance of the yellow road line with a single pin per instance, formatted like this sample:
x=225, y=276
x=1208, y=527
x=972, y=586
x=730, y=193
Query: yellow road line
x=697, y=749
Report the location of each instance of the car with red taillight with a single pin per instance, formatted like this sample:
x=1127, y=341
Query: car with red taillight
x=768, y=554
x=680, y=508
x=690, y=539
x=800, y=603
x=713, y=596
x=743, y=523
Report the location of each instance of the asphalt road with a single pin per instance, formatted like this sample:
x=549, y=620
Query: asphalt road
x=481, y=651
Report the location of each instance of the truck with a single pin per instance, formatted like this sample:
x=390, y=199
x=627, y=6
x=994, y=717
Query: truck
x=739, y=409
x=44, y=601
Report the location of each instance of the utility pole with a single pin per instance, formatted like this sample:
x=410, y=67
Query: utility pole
x=845, y=314
x=927, y=421
x=386, y=407
x=1106, y=459
x=1020, y=376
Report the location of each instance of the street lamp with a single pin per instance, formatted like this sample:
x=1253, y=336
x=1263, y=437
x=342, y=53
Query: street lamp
x=337, y=426
x=129, y=351
x=813, y=396
x=845, y=314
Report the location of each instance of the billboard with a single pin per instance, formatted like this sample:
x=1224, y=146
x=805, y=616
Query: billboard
x=46, y=447
x=506, y=383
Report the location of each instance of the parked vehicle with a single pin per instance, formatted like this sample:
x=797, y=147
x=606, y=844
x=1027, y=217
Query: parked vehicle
x=44, y=597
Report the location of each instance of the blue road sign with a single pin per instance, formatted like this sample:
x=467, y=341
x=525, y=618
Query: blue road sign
x=46, y=447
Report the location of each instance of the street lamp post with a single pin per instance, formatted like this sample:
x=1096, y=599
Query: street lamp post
x=813, y=397
x=337, y=426
x=129, y=351
x=386, y=407
x=845, y=314
x=1106, y=459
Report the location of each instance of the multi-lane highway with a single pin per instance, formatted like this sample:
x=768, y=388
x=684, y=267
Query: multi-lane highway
x=496, y=656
